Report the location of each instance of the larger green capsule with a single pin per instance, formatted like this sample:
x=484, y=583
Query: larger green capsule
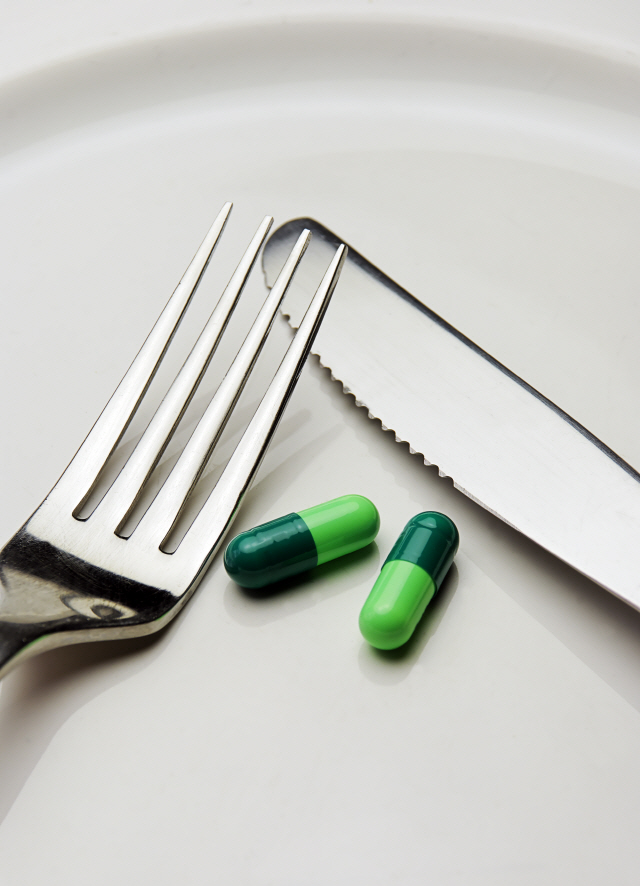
x=298, y=542
x=410, y=577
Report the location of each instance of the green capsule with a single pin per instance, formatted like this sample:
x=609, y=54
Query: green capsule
x=411, y=575
x=297, y=542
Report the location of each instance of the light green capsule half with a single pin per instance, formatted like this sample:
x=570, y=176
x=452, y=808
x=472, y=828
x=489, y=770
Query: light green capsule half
x=396, y=604
x=342, y=525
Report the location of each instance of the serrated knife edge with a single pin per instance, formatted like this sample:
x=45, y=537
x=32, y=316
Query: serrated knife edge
x=501, y=441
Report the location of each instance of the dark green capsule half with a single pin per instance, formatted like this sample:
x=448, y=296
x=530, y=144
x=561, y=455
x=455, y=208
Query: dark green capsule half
x=297, y=542
x=410, y=577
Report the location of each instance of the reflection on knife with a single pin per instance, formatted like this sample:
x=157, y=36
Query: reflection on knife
x=503, y=443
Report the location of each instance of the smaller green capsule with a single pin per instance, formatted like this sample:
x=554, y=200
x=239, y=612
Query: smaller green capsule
x=411, y=576
x=297, y=542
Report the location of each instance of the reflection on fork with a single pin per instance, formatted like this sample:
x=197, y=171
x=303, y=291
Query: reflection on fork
x=67, y=577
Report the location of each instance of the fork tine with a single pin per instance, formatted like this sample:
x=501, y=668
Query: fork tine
x=218, y=512
x=80, y=476
x=64, y=580
x=120, y=499
x=161, y=516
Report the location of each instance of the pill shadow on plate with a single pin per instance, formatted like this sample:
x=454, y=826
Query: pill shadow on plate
x=255, y=607
x=394, y=665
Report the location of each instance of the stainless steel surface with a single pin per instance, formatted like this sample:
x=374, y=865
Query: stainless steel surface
x=503, y=443
x=67, y=578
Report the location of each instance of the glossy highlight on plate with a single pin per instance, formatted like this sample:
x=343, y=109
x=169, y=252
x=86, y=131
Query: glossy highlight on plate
x=410, y=578
x=300, y=541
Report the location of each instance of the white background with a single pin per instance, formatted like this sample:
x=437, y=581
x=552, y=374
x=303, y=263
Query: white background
x=490, y=154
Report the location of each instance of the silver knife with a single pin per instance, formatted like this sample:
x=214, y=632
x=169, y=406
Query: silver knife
x=504, y=444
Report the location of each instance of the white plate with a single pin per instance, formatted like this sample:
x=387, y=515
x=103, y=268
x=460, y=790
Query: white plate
x=260, y=740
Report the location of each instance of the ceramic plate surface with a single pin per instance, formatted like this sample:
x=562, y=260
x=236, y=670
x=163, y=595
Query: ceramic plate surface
x=259, y=740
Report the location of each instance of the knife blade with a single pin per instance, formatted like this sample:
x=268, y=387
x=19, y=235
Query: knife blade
x=502, y=442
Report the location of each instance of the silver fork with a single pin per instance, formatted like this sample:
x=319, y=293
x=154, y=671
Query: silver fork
x=67, y=578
